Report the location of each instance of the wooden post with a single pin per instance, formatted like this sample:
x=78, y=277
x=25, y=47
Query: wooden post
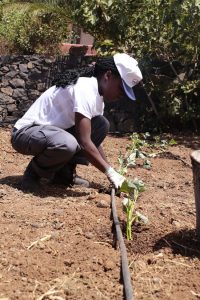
x=195, y=157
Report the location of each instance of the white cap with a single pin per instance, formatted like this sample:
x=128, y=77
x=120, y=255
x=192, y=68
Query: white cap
x=129, y=72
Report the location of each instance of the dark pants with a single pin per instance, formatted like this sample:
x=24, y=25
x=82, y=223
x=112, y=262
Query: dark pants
x=53, y=147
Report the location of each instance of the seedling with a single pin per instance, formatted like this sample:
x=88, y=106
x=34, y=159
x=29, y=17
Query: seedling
x=140, y=148
x=125, y=163
x=132, y=189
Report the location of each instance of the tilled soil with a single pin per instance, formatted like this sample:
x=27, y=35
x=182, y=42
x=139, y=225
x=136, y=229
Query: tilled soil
x=57, y=243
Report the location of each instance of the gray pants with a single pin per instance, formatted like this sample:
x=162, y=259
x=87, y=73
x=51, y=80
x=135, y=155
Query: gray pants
x=52, y=147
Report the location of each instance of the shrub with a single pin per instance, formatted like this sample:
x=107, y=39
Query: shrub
x=32, y=28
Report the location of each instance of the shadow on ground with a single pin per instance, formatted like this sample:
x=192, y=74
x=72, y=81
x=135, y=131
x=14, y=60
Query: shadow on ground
x=184, y=242
x=46, y=190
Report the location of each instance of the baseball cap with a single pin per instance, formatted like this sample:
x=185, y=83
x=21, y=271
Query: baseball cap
x=129, y=71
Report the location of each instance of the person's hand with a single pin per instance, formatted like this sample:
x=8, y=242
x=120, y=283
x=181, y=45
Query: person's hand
x=114, y=177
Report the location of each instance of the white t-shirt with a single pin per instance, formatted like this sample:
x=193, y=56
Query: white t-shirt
x=57, y=106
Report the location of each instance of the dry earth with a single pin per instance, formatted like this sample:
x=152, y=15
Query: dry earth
x=57, y=243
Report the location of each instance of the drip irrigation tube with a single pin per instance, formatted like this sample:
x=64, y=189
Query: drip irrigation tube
x=124, y=260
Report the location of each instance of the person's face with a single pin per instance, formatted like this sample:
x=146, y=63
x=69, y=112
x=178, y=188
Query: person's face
x=110, y=87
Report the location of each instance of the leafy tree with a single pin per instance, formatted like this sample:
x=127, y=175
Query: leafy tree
x=164, y=36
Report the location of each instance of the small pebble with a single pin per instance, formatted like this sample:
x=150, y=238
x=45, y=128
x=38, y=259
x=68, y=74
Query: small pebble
x=102, y=204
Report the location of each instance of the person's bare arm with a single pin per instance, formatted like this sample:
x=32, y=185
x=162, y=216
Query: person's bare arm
x=83, y=131
x=100, y=148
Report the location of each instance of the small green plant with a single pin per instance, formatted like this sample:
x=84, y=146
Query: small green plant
x=163, y=143
x=138, y=148
x=131, y=190
x=126, y=162
x=141, y=146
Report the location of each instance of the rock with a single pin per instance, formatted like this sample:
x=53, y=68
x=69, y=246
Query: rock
x=48, y=61
x=102, y=204
x=176, y=224
x=24, y=76
x=93, y=195
x=23, y=68
x=58, y=225
x=11, y=74
x=94, y=268
x=100, y=261
x=41, y=87
x=6, y=99
x=35, y=225
x=30, y=65
x=13, y=68
x=19, y=93
x=109, y=265
x=7, y=90
x=4, y=82
x=89, y=235
x=157, y=280
x=11, y=107
x=5, y=69
x=17, y=83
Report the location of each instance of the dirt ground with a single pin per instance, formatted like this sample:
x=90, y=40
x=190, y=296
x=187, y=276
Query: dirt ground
x=57, y=243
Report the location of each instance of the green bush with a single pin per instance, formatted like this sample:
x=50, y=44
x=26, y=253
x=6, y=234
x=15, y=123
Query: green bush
x=32, y=28
x=164, y=36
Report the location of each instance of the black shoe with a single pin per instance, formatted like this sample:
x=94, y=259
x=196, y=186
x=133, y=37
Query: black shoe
x=80, y=181
x=30, y=181
x=67, y=177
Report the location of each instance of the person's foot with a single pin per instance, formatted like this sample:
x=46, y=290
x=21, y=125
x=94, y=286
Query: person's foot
x=67, y=177
x=30, y=181
x=80, y=181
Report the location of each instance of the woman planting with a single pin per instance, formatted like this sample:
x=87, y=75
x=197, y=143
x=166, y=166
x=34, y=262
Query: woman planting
x=65, y=126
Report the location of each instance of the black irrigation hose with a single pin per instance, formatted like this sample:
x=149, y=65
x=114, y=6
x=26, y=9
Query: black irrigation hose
x=124, y=260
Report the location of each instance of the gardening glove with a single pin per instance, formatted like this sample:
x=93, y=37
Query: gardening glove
x=115, y=178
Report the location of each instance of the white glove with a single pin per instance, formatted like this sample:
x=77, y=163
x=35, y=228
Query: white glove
x=115, y=178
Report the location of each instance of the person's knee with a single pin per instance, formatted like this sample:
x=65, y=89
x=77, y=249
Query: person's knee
x=106, y=124
x=64, y=143
x=102, y=124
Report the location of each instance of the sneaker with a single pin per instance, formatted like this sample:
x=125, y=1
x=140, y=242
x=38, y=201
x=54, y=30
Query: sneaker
x=67, y=177
x=30, y=181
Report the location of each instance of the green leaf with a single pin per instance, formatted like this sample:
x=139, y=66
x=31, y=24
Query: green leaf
x=141, y=218
x=172, y=142
x=129, y=186
x=147, y=164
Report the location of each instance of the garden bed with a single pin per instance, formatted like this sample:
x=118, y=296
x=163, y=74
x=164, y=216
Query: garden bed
x=57, y=243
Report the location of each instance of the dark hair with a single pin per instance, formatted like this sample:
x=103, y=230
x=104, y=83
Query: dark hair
x=71, y=76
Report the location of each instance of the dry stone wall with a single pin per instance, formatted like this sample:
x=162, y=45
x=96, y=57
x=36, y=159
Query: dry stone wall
x=23, y=79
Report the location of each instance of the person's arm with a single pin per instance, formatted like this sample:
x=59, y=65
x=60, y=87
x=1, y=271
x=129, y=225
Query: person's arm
x=102, y=153
x=94, y=155
x=83, y=131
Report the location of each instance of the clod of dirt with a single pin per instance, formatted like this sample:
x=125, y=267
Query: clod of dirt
x=102, y=204
x=93, y=195
x=89, y=235
x=109, y=265
x=2, y=193
x=68, y=262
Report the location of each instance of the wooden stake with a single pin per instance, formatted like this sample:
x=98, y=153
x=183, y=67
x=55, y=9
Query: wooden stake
x=195, y=157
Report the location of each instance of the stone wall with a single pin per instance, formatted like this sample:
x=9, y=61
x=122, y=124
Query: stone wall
x=24, y=78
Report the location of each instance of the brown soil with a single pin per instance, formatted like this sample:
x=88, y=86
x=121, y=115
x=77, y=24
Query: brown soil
x=57, y=243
